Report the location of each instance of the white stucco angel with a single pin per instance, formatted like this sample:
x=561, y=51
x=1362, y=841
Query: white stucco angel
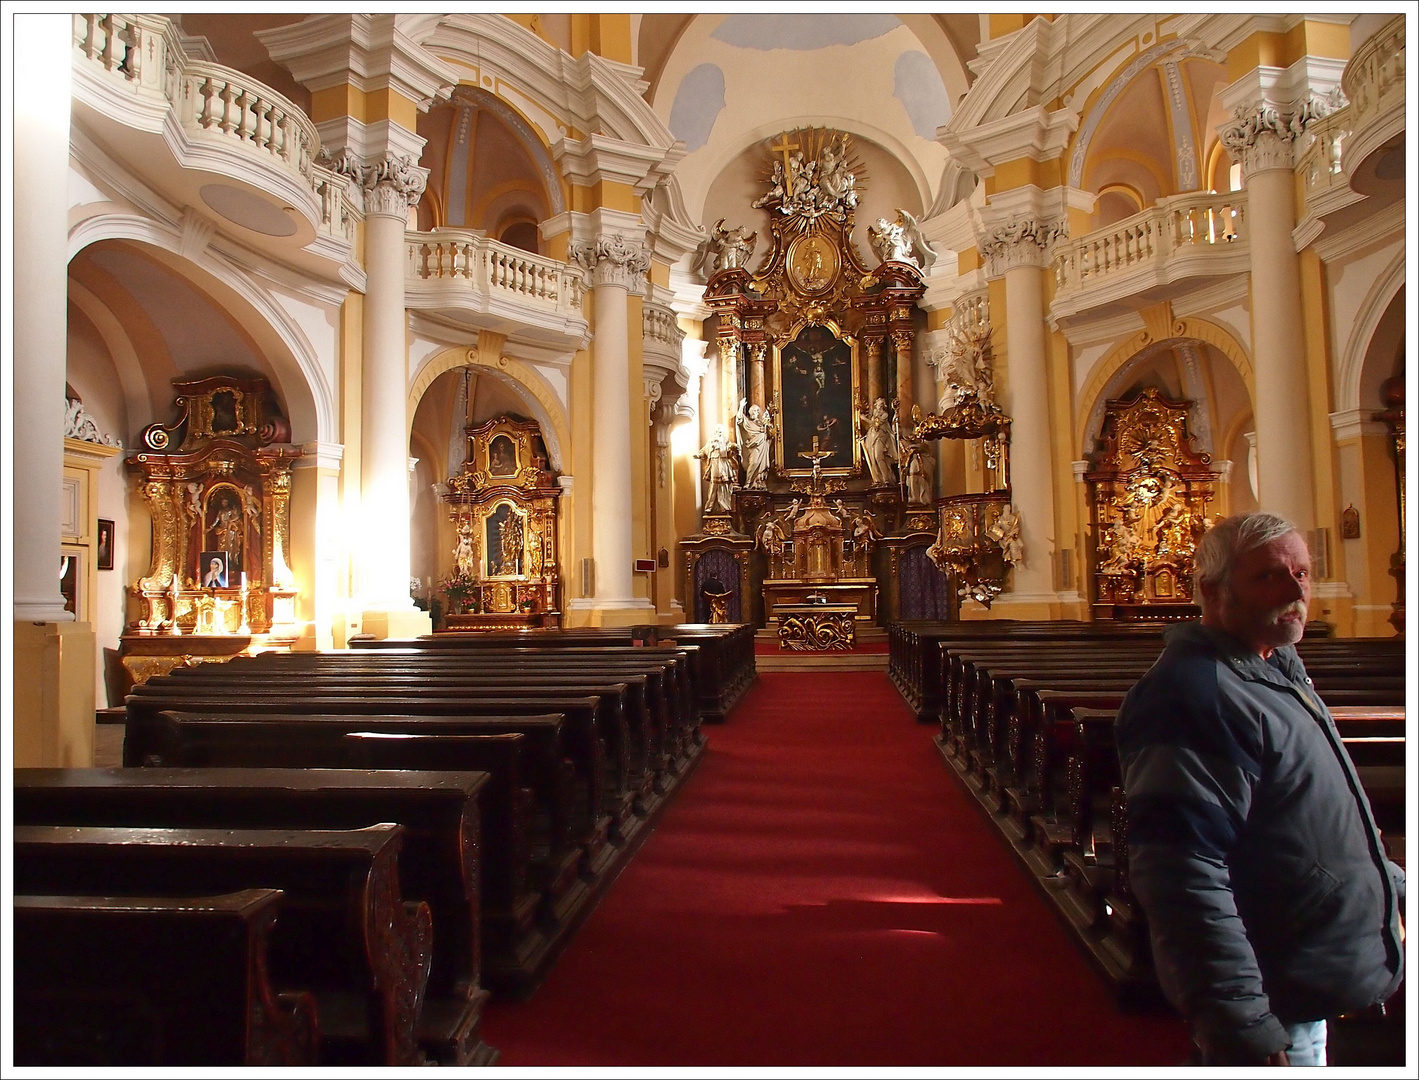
x=901, y=241
x=1006, y=533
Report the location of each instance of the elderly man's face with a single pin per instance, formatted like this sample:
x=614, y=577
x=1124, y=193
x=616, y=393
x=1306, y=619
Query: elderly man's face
x=1264, y=601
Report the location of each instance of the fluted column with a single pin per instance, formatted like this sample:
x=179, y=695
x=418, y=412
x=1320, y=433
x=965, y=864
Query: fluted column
x=1261, y=140
x=615, y=267
x=1018, y=252
x=390, y=187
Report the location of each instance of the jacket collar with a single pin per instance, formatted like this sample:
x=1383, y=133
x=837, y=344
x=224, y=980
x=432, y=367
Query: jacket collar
x=1218, y=643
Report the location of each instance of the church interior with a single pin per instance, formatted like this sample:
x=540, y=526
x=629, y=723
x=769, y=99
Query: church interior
x=786, y=340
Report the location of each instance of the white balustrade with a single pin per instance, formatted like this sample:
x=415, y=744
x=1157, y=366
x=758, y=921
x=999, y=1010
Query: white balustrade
x=144, y=53
x=1179, y=225
x=1319, y=164
x=660, y=326
x=493, y=269
x=1375, y=74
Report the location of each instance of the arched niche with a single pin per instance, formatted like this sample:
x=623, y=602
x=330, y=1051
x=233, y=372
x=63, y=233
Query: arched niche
x=488, y=167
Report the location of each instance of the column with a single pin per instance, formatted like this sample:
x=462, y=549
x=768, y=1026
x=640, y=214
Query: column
x=615, y=266
x=1018, y=252
x=906, y=384
x=1262, y=141
x=53, y=656
x=758, y=392
x=391, y=186
x=874, y=369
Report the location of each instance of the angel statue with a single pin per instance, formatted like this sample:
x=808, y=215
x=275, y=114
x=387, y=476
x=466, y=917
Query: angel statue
x=730, y=248
x=1006, y=533
x=901, y=241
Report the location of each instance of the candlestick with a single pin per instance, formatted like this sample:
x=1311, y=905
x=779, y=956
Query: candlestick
x=176, y=591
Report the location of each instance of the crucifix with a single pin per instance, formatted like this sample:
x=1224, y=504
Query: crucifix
x=816, y=456
x=783, y=147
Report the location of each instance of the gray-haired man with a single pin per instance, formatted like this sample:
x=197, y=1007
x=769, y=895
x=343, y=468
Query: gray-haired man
x=1251, y=844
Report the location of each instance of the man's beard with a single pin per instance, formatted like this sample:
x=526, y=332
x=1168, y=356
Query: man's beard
x=1279, y=630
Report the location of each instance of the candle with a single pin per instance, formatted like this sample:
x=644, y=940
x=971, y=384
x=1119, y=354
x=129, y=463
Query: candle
x=243, y=579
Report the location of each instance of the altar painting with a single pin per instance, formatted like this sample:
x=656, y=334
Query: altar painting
x=817, y=386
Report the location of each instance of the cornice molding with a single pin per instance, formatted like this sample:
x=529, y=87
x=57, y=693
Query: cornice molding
x=1351, y=424
x=602, y=159
x=1384, y=224
x=369, y=52
x=1036, y=133
x=321, y=455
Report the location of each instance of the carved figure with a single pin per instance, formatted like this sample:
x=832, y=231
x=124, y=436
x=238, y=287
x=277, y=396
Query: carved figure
x=916, y=471
x=776, y=189
x=465, y=556
x=772, y=538
x=731, y=248
x=756, y=434
x=719, y=473
x=901, y=241
x=878, y=443
x=1006, y=533
x=510, y=539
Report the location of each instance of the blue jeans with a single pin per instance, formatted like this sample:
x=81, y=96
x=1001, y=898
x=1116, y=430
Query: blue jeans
x=1307, y=1043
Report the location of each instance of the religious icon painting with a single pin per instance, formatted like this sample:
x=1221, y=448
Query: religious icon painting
x=816, y=385
x=502, y=457
x=212, y=568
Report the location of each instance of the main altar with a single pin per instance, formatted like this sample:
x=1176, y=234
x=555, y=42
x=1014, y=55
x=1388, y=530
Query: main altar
x=816, y=478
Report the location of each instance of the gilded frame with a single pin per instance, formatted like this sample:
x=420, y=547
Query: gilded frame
x=814, y=398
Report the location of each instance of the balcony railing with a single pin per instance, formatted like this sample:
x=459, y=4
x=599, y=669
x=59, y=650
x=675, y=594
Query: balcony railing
x=143, y=55
x=1319, y=164
x=493, y=273
x=1188, y=235
x=1374, y=85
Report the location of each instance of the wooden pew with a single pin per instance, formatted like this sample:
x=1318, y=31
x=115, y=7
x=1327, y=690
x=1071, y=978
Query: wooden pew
x=344, y=933
x=576, y=830
x=154, y=981
x=439, y=864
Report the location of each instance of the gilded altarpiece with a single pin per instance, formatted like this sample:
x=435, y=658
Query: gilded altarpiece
x=1148, y=496
x=503, y=506
x=822, y=335
x=217, y=485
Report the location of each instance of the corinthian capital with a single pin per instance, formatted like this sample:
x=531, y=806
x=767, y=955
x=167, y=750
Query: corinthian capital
x=389, y=185
x=1023, y=242
x=612, y=260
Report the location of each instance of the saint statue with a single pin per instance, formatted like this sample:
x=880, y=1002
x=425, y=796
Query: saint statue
x=718, y=457
x=879, y=444
x=756, y=432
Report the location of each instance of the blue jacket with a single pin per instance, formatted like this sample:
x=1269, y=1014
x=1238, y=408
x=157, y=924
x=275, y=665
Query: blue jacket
x=1251, y=846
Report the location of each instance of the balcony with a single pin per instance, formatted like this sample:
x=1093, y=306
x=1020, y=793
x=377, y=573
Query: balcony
x=464, y=278
x=1139, y=260
x=1374, y=85
x=204, y=135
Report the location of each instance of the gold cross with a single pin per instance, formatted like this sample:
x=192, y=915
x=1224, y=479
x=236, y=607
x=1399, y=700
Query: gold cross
x=783, y=148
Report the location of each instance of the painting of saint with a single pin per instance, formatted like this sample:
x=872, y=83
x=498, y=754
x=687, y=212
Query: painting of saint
x=502, y=457
x=815, y=376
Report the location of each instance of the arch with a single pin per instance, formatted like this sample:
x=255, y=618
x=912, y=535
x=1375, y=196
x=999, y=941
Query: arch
x=1348, y=390
x=518, y=375
x=1091, y=396
x=303, y=384
x=524, y=131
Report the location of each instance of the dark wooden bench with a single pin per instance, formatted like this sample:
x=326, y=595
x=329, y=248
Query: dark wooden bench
x=345, y=932
x=153, y=981
x=439, y=864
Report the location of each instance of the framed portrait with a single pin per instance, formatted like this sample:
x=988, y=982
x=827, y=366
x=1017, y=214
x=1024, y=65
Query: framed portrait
x=212, y=570
x=105, y=544
x=817, y=376
x=502, y=457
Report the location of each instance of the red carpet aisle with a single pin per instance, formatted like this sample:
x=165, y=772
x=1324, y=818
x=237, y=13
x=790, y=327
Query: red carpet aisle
x=821, y=893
